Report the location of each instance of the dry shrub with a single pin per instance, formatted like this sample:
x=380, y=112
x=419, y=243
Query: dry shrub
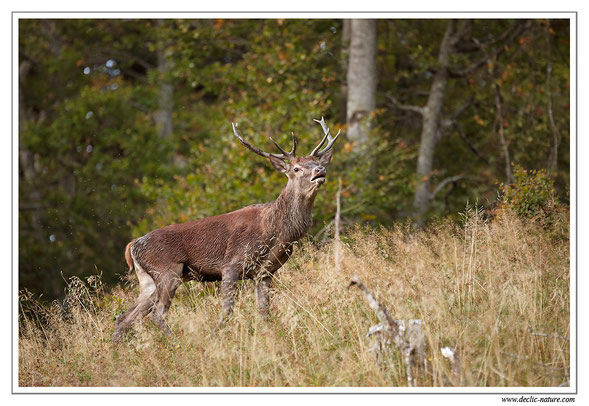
x=485, y=288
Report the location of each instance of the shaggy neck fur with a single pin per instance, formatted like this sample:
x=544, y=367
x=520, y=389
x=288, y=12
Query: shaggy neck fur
x=290, y=213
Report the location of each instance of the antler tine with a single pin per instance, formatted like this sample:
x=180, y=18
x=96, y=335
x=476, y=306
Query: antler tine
x=325, y=130
x=294, y=144
x=247, y=144
x=330, y=140
x=291, y=154
x=284, y=155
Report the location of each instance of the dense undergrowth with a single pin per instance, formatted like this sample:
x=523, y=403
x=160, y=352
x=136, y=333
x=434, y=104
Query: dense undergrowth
x=497, y=291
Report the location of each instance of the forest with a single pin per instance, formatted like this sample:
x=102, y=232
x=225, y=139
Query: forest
x=446, y=202
x=125, y=125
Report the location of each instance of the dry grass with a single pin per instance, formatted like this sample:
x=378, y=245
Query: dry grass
x=481, y=287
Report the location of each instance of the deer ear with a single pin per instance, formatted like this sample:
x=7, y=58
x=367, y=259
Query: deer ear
x=326, y=157
x=279, y=164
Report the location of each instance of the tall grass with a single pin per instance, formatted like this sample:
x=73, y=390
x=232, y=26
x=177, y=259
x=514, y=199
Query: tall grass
x=484, y=288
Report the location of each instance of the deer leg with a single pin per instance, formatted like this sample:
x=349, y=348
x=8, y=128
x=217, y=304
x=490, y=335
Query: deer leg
x=167, y=283
x=263, y=295
x=144, y=303
x=228, y=289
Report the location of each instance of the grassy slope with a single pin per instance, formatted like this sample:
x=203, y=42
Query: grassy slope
x=481, y=288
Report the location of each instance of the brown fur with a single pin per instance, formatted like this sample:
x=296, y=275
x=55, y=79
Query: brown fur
x=249, y=243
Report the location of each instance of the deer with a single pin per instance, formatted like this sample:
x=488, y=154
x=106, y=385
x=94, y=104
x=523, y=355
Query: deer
x=250, y=243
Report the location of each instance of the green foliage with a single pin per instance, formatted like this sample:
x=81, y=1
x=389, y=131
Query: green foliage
x=233, y=75
x=93, y=172
x=88, y=144
x=270, y=90
x=531, y=195
x=377, y=180
x=469, y=143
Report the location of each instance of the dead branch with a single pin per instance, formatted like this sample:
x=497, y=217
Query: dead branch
x=407, y=336
x=381, y=311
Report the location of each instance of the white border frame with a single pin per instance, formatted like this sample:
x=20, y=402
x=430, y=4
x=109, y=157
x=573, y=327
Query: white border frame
x=512, y=391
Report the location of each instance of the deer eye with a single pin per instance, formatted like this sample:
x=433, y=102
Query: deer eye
x=296, y=169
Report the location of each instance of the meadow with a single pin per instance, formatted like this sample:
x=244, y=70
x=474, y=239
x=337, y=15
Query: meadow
x=496, y=291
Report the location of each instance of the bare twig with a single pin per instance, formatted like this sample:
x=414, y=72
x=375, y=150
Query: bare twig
x=337, y=240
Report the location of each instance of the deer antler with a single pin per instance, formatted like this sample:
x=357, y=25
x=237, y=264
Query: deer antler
x=285, y=155
x=330, y=140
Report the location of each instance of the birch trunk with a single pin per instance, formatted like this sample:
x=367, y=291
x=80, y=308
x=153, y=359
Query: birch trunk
x=344, y=60
x=163, y=117
x=553, y=157
x=429, y=131
x=361, y=80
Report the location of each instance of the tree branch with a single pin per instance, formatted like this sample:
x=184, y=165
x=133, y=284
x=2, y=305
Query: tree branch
x=468, y=143
x=505, y=39
x=381, y=312
x=406, y=107
x=444, y=182
x=447, y=122
x=462, y=108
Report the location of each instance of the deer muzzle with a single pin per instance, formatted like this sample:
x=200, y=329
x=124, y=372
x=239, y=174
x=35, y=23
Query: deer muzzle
x=318, y=175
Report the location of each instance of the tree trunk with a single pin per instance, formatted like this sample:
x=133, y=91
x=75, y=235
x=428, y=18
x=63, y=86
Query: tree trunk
x=501, y=132
x=26, y=160
x=553, y=157
x=429, y=131
x=163, y=117
x=361, y=80
x=344, y=59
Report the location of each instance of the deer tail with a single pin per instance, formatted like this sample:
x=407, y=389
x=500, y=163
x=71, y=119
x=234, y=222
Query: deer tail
x=128, y=257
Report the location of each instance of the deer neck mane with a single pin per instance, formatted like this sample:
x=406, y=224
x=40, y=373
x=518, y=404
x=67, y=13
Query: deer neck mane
x=290, y=214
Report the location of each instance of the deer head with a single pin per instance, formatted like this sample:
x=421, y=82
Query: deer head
x=305, y=174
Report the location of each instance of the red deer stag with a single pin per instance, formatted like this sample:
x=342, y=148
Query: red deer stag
x=250, y=243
